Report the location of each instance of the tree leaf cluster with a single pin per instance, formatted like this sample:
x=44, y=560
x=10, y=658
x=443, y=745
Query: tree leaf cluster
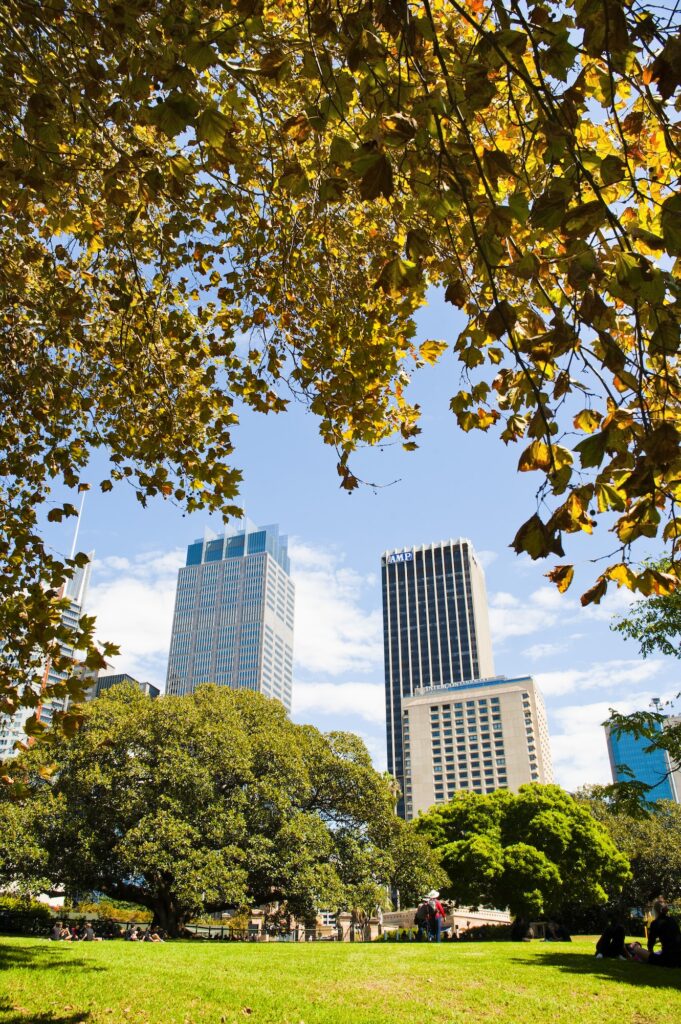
x=176, y=179
x=187, y=805
x=533, y=852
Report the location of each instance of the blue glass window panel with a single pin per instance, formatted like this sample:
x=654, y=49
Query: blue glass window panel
x=235, y=546
x=195, y=553
x=214, y=550
x=257, y=542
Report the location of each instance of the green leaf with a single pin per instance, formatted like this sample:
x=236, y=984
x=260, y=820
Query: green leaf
x=174, y=114
x=212, y=127
x=592, y=450
x=377, y=180
x=670, y=219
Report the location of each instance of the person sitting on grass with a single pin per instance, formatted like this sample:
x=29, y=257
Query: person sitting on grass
x=665, y=930
x=611, y=942
x=65, y=934
x=55, y=934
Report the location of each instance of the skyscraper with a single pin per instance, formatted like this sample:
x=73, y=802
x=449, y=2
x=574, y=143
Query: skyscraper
x=631, y=761
x=435, y=626
x=476, y=736
x=233, y=622
x=12, y=726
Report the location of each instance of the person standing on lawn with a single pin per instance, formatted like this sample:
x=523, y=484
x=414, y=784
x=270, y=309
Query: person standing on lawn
x=437, y=916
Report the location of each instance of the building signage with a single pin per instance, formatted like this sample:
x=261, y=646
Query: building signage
x=401, y=556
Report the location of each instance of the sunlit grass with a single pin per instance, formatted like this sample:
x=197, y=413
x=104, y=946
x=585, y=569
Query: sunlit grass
x=328, y=983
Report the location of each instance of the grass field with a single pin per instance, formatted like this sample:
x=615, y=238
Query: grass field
x=468, y=983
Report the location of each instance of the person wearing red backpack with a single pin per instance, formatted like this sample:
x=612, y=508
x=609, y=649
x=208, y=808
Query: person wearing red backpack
x=436, y=916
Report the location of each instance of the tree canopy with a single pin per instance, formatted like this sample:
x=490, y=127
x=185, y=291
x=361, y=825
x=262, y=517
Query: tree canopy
x=176, y=177
x=533, y=852
x=652, y=843
x=212, y=800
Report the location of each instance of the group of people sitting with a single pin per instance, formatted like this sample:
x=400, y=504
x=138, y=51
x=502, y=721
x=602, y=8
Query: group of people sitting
x=663, y=929
x=135, y=934
x=63, y=933
x=85, y=932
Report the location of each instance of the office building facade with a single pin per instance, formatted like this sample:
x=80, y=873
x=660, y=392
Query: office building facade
x=435, y=626
x=12, y=726
x=476, y=736
x=234, y=615
x=107, y=679
x=631, y=761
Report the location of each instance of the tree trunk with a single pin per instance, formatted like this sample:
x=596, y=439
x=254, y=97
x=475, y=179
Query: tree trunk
x=169, y=917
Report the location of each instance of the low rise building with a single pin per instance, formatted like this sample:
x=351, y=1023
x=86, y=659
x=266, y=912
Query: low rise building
x=105, y=680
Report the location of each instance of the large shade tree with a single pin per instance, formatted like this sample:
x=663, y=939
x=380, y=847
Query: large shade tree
x=534, y=852
x=178, y=176
x=650, y=839
x=212, y=800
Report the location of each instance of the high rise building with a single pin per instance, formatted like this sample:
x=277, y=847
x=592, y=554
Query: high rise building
x=475, y=736
x=631, y=761
x=12, y=726
x=233, y=622
x=435, y=626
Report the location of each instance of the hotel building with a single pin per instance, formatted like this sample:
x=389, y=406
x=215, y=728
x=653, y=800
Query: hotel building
x=476, y=736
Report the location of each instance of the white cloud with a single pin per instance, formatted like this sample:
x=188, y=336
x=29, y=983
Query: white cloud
x=486, y=557
x=361, y=700
x=133, y=602
x=616, y=675
x=537, y=651
x=545, y=608
x=334, y=633
x=510, y=616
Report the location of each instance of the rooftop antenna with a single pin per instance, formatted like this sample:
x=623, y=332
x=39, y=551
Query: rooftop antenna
x=75, y=532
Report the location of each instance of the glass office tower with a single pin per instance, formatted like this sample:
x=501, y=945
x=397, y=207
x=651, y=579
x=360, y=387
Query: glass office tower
x=435, y=627
x=12, y=726
x=233, y=622
x=652, y=767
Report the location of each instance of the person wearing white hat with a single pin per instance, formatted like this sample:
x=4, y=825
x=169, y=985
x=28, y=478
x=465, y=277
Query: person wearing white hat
x=437, y=916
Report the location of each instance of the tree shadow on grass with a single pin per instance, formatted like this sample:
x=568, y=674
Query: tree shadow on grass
x=43, y=958
x=621, y=971
x=14, y=1014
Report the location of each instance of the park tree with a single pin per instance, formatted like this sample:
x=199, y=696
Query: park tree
x=534, y=852
x=212, y=800
x=177, y=178
x=649, y=838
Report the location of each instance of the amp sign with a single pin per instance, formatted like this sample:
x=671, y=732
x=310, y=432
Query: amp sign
x=401, y=556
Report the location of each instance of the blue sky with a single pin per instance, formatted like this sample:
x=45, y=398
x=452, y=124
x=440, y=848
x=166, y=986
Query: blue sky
x=454, y=485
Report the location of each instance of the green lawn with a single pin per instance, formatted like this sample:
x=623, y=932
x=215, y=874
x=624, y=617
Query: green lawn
x=326, y=983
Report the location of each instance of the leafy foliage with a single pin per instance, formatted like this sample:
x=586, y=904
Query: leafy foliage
x=533, y=851
x=192, y=804
x=176, y=177
x=654, y=622
x=651, y=841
